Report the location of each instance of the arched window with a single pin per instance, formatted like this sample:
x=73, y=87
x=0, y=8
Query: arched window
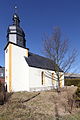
x=43, y=77
x=53, y=78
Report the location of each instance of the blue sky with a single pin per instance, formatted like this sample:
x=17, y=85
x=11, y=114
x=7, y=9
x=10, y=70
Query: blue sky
x=39, y=16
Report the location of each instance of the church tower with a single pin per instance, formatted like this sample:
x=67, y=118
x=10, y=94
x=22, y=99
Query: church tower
x=15, y=33
x=16, y=68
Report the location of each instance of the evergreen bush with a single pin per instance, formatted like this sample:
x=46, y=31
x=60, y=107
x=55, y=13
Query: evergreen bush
x=69, y=82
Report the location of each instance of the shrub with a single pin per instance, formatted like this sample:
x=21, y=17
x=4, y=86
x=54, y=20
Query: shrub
x=2, y=94
x=77, y=96
x=69, y=82
x=0, y=86
x=78, y=91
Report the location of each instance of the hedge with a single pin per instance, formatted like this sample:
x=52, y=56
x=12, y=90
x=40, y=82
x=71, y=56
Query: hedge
x=69, y=82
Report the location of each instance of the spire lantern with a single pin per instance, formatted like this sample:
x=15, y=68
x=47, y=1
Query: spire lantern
x=16, y=20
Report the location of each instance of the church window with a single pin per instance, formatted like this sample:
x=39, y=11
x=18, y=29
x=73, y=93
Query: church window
x=43, y=77
x=53, y=78
x=1, y=74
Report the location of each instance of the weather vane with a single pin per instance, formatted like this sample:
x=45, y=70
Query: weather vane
x=15, y=9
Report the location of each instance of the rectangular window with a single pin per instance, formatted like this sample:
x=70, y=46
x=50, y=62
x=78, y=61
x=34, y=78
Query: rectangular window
x=1, y=74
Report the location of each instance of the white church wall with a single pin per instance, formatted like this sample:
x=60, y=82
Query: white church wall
x=16, y=68
x=20, y=71
x=35, y=79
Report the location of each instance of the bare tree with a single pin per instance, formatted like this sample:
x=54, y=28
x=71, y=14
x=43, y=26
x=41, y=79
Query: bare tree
x=57, y=49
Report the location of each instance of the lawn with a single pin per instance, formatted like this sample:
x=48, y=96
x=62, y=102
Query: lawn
x=46, y=105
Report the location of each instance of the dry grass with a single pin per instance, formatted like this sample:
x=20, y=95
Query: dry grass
x=48, y=105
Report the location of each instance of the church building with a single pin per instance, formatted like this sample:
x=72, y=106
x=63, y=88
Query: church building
x=26, y=71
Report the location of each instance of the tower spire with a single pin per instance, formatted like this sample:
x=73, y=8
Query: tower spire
x=15, y=33
x=16, y=20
